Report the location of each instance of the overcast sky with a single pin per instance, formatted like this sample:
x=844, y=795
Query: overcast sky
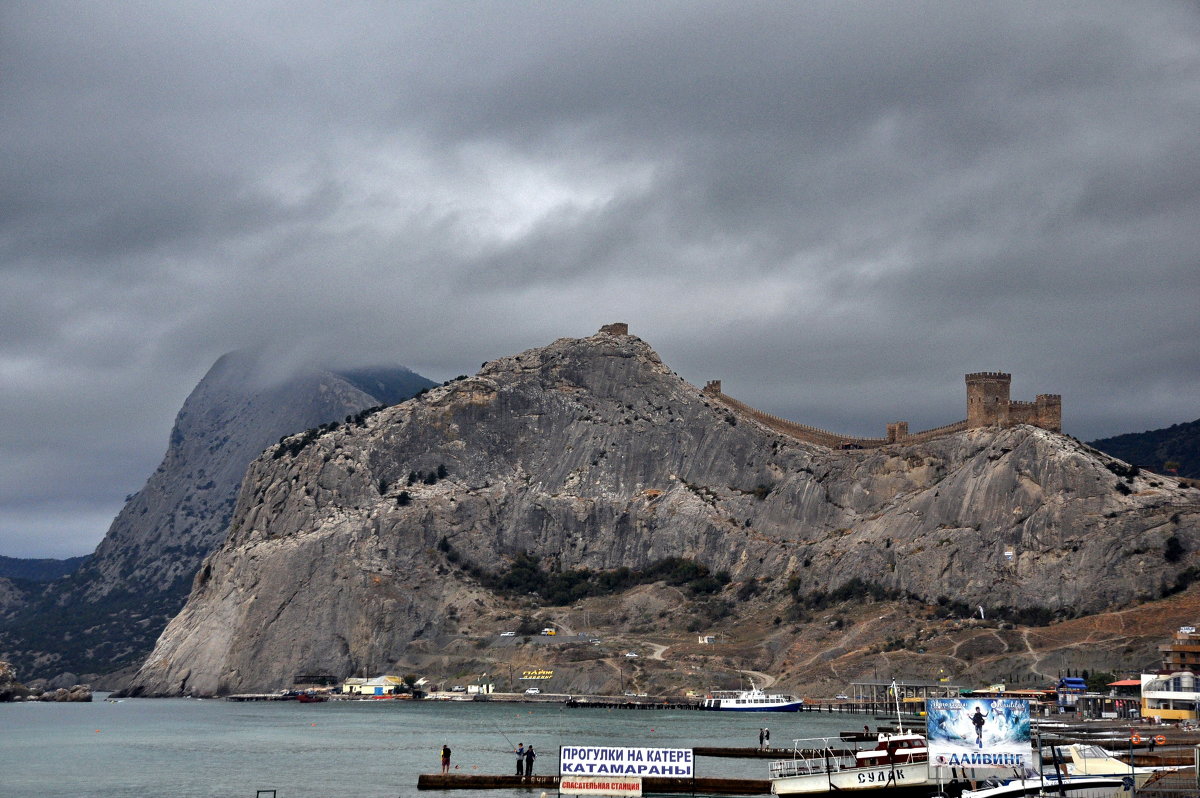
x=836, y=208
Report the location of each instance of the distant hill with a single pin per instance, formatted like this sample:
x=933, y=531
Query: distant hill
x=108, y=613
x=38, y=570
x=389, y=386
x=1153, y=449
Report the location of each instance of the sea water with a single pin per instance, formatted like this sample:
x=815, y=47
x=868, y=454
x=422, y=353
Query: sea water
x=171, y=748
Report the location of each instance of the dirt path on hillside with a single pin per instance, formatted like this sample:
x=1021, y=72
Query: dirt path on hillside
x=849, y=642
x=764, y=681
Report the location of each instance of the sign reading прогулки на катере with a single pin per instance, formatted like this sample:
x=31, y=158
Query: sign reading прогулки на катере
x=592, y=760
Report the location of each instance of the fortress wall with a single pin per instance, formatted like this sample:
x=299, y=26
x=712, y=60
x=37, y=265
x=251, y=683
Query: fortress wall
x=988, y=404
x=936, y=432
x=832, y=440
x=1022, y=413
x=799, y=431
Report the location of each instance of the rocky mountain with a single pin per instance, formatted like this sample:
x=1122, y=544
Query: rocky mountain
x=587, y=476
x=109, y=612
x=1170, y=450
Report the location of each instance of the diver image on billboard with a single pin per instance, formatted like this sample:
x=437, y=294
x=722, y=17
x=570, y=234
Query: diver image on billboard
x=978, y=732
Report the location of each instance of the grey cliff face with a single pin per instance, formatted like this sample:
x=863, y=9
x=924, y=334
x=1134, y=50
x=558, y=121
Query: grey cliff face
x=592, y=453
x=140, y=573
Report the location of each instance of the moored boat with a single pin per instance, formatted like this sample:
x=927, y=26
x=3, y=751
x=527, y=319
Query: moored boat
x=1091, y=772
x=899, y=760
x=752, y=700
x=1068, y=786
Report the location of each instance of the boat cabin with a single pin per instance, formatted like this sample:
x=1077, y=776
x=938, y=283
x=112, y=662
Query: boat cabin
x=896, y=749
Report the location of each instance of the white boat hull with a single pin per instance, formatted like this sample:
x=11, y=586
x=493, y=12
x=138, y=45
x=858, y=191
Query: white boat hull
x=854, y=779
x=1074, y=787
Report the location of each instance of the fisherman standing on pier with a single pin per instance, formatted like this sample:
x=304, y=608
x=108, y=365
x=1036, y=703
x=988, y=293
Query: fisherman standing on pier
x=766, y=738
x=760, y=739
x=445, y=759
x=520, y=759
x=529, y=757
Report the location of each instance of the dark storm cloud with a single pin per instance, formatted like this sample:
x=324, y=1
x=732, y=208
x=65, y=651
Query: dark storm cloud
x=837, y=208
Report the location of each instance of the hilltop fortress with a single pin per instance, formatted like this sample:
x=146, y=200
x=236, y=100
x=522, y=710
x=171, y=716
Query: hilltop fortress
x=988, y=405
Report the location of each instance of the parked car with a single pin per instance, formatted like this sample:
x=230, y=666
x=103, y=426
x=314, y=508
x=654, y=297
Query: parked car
x=458, y=688
x=631, y=653
x=508, y=634
x=842, y=697
x=532, y=691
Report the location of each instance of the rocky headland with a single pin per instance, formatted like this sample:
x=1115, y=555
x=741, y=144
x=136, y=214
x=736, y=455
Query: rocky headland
x=12, y=690
x=383, y=543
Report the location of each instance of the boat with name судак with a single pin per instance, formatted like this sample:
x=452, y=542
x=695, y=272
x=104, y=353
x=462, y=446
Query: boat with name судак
x=899, y=760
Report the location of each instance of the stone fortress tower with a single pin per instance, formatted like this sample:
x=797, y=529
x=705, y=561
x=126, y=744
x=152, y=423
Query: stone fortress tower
x=988, y=404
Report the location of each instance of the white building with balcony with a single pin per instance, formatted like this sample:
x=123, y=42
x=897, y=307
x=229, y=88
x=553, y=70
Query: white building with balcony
x=1170, y=696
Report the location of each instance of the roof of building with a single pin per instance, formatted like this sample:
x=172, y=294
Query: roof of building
x=1126, y=683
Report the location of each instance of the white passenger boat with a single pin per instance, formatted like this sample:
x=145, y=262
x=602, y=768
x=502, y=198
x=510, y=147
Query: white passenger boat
x=899, y=760
x=752, y=700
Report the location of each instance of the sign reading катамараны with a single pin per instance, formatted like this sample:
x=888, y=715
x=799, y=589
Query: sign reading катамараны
x=591, y=760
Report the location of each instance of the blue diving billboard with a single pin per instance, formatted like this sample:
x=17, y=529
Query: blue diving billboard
x=979, y=733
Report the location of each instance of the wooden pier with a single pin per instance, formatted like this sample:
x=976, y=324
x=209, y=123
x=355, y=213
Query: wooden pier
x=759, y=753
x=879, y=709
x=650, y=784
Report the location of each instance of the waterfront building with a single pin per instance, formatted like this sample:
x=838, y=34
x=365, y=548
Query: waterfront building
x=1173, y=693
x=378, y=685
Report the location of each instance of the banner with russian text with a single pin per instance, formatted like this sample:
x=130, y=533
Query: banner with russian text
x=603, y=760
x=979, y=733
x=600, y=785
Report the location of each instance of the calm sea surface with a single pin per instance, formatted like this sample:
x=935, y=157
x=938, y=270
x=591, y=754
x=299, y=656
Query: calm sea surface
x=169, y=748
